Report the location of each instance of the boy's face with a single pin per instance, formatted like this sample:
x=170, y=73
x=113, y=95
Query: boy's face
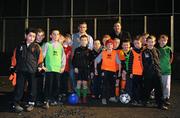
x=104, y=41
x=82, y=28
x=55, y=35
x=117, y=27
x=150, y=43
x=84, y=41
x=126, y=46
x=109, y=46
x=116, y=43
x=30, y=37
x=39, y=37
x=137, y=44
x=97, y=44
x=144, y=40
x=163, y=41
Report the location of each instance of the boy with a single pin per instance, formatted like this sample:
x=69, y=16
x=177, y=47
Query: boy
x=81, y=64
x=65, y=84
x=152, y=73
x=166, y=58
x=135, y=69
x=26, y=59
x=97, y=80
x=55, y=60
x=110, y=60
x=40, y=37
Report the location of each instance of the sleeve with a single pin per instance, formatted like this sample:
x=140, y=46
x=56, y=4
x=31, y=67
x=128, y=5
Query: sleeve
x=90, y=45
x=130, y=62
x=63, y=62
x=13, y=59
x=98, y=58
x=44, y=49
x=171, y=56
x=40, y=59
x=117, y=59
x=74, y=60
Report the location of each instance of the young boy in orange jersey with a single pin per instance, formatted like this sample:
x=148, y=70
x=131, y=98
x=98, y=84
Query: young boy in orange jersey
x=109, y=59
x=122, y=59
x=135, y=69
x=126, y=82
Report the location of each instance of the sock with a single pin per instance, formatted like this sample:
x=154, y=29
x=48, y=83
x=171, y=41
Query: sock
x=123, y=84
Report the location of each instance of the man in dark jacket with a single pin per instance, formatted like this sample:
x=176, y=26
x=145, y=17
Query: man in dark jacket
x=118, y=33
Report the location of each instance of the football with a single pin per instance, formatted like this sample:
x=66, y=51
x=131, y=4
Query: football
x=124, y=98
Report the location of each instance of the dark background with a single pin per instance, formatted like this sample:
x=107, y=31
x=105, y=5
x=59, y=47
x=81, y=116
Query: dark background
x=158, y=14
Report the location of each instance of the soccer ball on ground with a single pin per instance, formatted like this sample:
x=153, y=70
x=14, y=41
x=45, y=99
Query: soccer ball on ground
x=124, y=98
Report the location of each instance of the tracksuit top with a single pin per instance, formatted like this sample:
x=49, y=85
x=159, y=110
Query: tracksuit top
x=165, y=57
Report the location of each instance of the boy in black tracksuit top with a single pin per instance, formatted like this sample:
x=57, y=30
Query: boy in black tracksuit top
x=96, y=83
x=81, y=64
x=26, y=59
x=152, y=73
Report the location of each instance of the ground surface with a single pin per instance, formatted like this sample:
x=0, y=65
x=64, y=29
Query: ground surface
x=92, y=110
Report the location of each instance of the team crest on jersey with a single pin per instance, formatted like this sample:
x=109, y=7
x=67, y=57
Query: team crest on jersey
x=21, y=48
x=147, y=55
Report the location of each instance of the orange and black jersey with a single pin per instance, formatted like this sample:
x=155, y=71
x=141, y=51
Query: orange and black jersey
x=27, y=58
x=135, y=62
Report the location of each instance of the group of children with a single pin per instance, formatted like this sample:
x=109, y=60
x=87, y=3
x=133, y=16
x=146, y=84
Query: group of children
x=135, y=68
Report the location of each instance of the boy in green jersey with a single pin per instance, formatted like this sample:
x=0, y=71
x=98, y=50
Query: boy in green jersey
x=55, y=60
x=166, y=57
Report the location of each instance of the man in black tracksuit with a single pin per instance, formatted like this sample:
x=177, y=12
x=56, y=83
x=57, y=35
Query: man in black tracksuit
x=26, y=59
x=152, y=73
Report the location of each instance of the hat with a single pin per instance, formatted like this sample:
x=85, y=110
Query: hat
x=110, y=41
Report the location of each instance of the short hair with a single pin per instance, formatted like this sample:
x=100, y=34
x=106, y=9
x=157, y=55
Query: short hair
x=28, y=30
x=54, y=29
x=83, y=36
x=82, y=23
x=138, y=38
x=107, y=36
x=126, y=41
x=38, y=30
x=151, y=37
x=117, y=22
x=145, y=34
x=163, y=36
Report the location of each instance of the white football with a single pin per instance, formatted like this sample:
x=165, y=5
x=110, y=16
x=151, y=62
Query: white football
x=124, y=98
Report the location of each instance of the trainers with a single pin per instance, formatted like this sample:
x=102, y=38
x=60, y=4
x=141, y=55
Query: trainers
x=30, y=108
x=166, y=102
x=162, y=107
x=18, y=108
x=46, y=106
x=113, y=99
x=53, y=103
x=104, y=101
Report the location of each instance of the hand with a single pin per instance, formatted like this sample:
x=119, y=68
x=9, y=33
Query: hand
x=12, y=70
x=62, y=70
x=96, y=73
x=76, y=70
x=92, y=75
x=131, y=76
x=119, y=74
x=42, y=69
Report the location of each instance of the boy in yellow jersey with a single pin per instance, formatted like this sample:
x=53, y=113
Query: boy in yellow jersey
x=109, y=59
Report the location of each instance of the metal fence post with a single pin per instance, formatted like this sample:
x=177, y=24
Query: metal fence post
x=95, y=28
x=145, y=24
x=47, y=28
x=4, y=36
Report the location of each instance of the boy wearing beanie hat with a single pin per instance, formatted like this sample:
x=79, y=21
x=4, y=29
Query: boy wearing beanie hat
x=110, y=60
